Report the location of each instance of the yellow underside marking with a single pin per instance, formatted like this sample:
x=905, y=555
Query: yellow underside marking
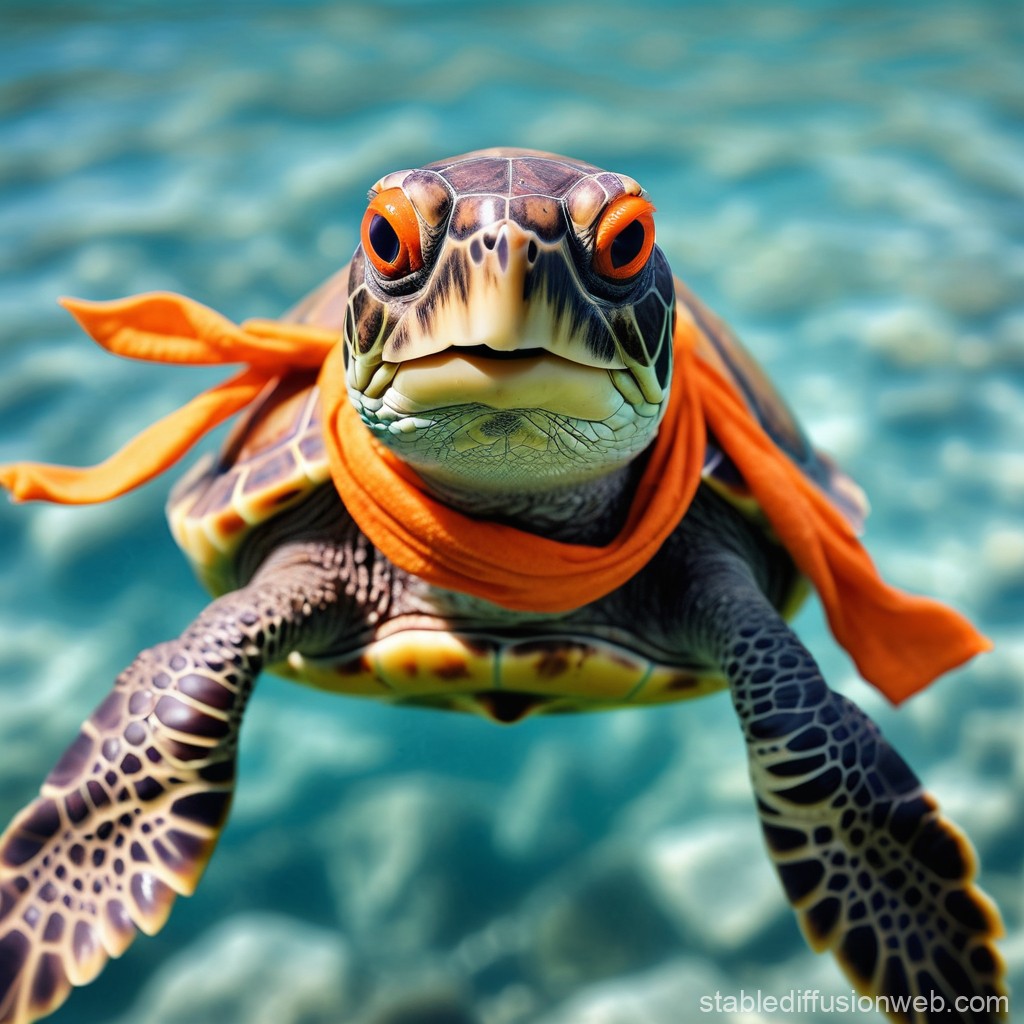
x=436, y=668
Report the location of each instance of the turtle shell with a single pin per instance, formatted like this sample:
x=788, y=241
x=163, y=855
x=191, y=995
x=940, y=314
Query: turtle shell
x=272, y=459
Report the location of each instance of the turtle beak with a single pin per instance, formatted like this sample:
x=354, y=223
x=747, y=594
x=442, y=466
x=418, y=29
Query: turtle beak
x=496, y=304
x=505, y=293
x=476, y=298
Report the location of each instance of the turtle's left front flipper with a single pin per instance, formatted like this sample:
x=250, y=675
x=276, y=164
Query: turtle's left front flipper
x=130, y=815
x=875, y=872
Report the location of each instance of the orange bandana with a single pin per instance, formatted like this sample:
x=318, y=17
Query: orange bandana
x=899, y=642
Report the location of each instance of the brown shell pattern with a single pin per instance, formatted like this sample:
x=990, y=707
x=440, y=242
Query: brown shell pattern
x=273, y=458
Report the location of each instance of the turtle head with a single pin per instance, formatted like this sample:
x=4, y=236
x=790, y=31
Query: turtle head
x=509, y=321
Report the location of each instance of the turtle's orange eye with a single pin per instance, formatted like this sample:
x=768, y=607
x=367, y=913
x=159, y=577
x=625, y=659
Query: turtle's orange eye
x=625, y=238
x=391, y=234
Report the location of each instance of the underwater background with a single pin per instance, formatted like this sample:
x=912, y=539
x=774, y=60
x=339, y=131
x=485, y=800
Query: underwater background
x=843, y=182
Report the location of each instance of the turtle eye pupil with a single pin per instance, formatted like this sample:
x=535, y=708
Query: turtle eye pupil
x=624, y=238
x=627, y=244
x=384, y=239
x=390, y=235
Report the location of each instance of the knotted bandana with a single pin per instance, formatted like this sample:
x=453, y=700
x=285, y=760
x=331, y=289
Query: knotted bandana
x=898, y=641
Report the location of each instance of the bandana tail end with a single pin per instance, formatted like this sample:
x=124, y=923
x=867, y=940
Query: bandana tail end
x=900, y=642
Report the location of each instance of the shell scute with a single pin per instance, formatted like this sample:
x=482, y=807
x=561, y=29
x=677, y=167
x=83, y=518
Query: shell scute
x=213, y=498
x=311, y=445
x=666, y=684
x=533, y=177
x=279, y=464
x=566, y=667
x=274, y=457
x=486, y=174
x=541, y=214
x=501, y=678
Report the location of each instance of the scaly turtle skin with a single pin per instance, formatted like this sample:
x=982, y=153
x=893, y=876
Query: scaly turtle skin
x=508, y=323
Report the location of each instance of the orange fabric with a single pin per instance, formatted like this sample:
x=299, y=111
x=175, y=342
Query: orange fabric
x=898, y=641
x=511, y=567
x=167, y=328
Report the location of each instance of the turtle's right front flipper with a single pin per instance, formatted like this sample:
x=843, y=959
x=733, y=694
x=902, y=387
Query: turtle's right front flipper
x=130, y=815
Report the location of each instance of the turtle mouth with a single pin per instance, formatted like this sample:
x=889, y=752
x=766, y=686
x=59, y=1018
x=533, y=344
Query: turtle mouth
x=522, y=419
x=519, y=379
x=486, y=352
x=530, y=377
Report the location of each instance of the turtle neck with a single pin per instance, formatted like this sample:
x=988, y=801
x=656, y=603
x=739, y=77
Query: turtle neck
x=589, y=512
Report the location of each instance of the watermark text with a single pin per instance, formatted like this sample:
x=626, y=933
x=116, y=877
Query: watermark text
x=811, y=1000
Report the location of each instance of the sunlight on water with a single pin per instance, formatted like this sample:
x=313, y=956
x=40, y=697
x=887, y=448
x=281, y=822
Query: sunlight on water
x=843, y=182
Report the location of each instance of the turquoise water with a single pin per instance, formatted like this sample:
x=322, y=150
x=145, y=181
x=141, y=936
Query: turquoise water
x=841, y=181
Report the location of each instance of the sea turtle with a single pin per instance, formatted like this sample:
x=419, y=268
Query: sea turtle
x=535, y=390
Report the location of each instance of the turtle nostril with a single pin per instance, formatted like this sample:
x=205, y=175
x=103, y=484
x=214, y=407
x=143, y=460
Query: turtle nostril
x=508, y=245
